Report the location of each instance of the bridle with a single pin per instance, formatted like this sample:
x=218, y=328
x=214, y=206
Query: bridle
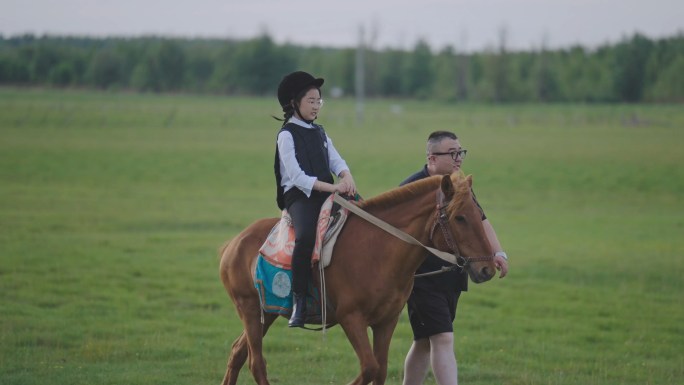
x=442, y=220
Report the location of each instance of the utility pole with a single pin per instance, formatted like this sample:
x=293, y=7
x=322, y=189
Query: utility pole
x=543, y=85
x=463, y=64
x=360, y=78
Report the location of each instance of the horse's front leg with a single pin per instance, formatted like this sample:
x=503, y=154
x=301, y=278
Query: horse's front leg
x=355, y=327
x=382, y=336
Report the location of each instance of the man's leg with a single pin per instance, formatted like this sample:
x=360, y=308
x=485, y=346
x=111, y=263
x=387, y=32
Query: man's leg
x=417, y=362
x=443, y=359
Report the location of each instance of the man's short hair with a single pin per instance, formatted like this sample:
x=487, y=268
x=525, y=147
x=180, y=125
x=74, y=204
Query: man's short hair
x=437, y=137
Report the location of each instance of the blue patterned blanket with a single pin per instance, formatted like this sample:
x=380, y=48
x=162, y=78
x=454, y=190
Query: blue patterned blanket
x=275, y=291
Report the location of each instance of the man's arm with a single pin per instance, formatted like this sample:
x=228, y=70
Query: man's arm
x=500, y=262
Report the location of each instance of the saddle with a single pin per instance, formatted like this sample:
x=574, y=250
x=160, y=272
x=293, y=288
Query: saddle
x=280, y=241
x=273, y=275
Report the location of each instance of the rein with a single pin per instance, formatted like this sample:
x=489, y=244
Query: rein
x=442, y=219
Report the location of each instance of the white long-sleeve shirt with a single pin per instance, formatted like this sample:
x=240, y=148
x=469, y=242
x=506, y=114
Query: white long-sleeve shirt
x=291, y=174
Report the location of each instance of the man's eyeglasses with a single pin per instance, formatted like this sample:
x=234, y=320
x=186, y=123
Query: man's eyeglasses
x=453, y=154
x=315, y=102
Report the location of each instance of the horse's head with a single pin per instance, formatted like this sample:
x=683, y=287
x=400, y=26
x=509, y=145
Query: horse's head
x=460, y=219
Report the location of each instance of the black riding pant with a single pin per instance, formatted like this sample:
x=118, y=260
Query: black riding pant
x=304, y=213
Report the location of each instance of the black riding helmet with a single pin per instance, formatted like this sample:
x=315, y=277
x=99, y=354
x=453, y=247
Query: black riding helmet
x=293, y=84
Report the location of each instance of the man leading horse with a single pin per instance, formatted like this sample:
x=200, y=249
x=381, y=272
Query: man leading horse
x=433, y=300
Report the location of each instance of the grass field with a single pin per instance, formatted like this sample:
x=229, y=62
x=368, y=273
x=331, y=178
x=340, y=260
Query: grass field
x=113, y=206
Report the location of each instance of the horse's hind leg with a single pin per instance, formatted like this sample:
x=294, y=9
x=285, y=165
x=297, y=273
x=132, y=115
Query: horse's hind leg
x=237, y=358
x=239, y=353
x=254, y=332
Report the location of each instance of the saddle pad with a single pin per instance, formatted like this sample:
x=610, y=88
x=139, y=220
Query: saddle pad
x=274, y=285
x=280, y=242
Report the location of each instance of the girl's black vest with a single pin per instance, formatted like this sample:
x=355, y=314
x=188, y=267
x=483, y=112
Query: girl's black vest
x=311, y=151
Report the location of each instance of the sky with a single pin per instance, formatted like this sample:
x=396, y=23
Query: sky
x=466, y=25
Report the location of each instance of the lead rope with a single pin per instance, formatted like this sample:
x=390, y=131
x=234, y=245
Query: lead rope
x=444, y=269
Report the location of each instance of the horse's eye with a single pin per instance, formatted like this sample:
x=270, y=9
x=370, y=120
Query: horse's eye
x=460, y=218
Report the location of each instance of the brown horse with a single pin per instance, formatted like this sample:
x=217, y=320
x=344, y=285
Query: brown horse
x=371, y=273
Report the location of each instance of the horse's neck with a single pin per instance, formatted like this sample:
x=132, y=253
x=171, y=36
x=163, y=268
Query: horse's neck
x=407, y=207
x=413, y=216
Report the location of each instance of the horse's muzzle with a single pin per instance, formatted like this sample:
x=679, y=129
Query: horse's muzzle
x=481, y=274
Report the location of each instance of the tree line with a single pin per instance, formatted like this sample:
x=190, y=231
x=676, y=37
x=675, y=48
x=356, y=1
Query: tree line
x=636, y=69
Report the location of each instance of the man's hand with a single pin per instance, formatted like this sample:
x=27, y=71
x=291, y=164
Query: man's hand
x=501, y=265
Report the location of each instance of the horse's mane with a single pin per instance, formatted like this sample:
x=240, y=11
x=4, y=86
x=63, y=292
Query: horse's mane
x=417, y=188
x=462, y=190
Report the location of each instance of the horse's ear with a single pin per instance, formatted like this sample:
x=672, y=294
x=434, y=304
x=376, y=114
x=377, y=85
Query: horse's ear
x=469, y=178
x=447, y=187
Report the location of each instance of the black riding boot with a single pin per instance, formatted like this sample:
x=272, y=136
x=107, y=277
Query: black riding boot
x=298, y=311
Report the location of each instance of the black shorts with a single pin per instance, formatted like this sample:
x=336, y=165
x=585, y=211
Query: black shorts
x=432, y=311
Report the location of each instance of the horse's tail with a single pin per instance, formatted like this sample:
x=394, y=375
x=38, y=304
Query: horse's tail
x=222, y=249
x=237, y=255
x=223, y=261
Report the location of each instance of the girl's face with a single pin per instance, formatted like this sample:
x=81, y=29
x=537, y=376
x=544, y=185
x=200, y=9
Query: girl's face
x=310, y=105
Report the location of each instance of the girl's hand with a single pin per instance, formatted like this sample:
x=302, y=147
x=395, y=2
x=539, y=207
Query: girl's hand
x=347, y=183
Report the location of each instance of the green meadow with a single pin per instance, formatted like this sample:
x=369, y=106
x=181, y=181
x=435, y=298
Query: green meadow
x=113, y=207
